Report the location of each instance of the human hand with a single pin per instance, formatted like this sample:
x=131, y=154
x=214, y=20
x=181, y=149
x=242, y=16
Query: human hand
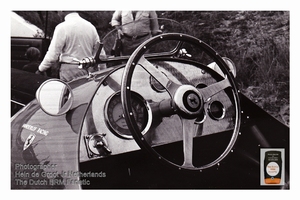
x=120, y=33
x=39, y=72
x=156, y=32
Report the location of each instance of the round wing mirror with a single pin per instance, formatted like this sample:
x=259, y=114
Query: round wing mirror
x=55, y=97
x=229, y=63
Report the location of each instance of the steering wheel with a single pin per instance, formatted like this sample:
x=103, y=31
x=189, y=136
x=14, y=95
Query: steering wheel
x=185, y=100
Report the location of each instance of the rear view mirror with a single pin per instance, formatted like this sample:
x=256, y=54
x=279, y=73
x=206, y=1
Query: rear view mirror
x=55, y=97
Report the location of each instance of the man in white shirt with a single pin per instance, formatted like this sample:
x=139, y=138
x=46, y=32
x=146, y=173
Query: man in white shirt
x=73, y=39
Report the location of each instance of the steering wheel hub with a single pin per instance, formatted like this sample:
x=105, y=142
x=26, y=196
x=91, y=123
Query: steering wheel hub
x=189, y=101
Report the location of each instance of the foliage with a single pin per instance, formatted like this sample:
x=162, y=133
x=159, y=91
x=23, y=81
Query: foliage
x=257, y=42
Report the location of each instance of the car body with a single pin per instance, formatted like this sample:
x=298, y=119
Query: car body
x=169, y=116
x=24, y=84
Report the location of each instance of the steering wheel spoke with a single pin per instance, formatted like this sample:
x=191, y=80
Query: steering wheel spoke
x=167, y=83
x=215, y=88
x=189, y=130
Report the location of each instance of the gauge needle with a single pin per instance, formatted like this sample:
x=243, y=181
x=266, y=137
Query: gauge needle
x=120, y=117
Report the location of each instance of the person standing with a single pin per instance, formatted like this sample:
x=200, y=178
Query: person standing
x=73, y=40
x=134, y=27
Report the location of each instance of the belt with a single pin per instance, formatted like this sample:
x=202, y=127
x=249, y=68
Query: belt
x=68, y=63
x=135, y=36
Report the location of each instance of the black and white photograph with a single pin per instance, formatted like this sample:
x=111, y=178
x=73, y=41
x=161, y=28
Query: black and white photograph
x=150, y=99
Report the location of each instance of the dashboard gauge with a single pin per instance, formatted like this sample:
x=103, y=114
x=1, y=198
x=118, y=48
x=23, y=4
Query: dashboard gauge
x=155, y=85
x=216, y=110
x=115, y=119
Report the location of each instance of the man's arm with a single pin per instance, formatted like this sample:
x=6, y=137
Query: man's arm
x=116, y=18
x=54, y=50
x=116, y=22
x=154, y=23
x=96, y=42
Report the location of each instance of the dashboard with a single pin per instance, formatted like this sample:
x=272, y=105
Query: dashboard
x=105, y=132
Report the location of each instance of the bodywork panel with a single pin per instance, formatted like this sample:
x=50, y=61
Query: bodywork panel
x=53, y=148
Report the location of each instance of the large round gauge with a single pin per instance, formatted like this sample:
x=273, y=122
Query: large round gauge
x=114, y=115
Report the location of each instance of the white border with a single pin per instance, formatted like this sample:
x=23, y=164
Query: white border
x=152, y=5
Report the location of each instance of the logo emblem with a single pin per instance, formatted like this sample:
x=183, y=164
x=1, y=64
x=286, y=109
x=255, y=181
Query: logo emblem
x=28, y=141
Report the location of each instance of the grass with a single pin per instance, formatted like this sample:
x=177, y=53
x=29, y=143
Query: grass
x=258, y=43
x=265, y=80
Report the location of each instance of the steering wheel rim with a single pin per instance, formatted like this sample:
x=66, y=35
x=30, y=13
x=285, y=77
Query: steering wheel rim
x=137, y=58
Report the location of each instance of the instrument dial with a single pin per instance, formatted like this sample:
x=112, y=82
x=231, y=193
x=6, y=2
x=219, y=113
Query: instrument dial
x=115, y=118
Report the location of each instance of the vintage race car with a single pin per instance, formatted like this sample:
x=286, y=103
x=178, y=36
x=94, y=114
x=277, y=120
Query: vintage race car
x=169, y=116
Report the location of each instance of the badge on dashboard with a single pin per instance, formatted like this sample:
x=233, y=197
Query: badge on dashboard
x=29, y=141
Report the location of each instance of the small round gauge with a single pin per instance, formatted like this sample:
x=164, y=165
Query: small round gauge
x=155, y=85
x=115, y=119
x=216, y=110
